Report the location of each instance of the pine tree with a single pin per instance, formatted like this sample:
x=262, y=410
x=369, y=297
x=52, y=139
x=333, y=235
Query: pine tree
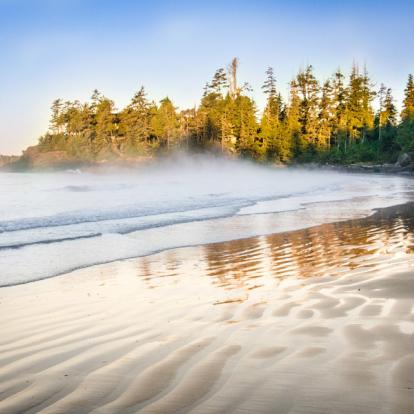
x=136, y=122
x=408, y=103
x=308, y=89
x=165, y=124
x=339, y=104
x=386, y=121
x=105, y=125
x=245, y=128
x=360, y=115
x=325, y=117
x=390, y=109
x=219, y=82
x=387, y=113
x=292, y=125
x=314, y=120
x=211, y=111
x=367, y=96
x=57, y=121
x=187, y=123
x=405, y=137
x=270, y=126
x=269, y=86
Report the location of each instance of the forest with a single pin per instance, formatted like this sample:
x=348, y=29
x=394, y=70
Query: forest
x=333, y=121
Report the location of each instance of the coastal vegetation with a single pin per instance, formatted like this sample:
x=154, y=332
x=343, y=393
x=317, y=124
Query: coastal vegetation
x=331, y=121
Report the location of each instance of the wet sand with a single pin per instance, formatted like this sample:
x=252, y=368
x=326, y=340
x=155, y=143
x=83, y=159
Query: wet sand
x=312, y=321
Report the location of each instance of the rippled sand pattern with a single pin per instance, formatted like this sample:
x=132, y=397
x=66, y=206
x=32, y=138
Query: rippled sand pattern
x=313, y=321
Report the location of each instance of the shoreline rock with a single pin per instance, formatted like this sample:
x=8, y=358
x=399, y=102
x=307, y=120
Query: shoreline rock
x=34, y=159
x=6, y=160
x=391, y=169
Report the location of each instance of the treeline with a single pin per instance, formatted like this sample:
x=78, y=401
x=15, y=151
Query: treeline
x=330, y=121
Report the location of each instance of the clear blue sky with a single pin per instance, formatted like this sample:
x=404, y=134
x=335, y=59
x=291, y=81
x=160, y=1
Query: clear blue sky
x=67, y=48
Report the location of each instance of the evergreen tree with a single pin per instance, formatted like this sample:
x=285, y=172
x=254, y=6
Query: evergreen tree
x=387, y=113
x=325, y=118
x=219, y=82
x=367, y=97
x=292, y=124
x=316, y=121
x=408, y=103
x=269, y=86
x=360, y=116
x=308, y=89
x=245, y=128
x=354, y=105
x=57, y=121
x=339, y=108
x=165, y=124
x=405, y=137
x=211, y=111
x=105, y=125
x=271, y=137
x=136, y=122
x=386, y=121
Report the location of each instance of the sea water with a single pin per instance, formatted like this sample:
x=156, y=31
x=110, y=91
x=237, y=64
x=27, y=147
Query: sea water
x=52, y=223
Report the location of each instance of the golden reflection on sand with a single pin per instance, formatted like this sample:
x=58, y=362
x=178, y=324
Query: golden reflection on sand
x=312, y=321
x=325, y=250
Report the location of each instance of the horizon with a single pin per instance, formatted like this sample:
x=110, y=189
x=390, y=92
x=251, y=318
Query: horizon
x=66, y=51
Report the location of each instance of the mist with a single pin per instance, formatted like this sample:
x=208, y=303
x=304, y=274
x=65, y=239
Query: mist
x=52, y=223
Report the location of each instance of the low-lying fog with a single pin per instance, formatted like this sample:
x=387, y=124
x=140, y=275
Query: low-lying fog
x=51, y=223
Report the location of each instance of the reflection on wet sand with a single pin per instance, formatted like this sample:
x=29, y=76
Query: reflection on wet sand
x=325, y=250
x=312, y=321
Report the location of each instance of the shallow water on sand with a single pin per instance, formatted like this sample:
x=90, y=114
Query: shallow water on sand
x=53, y=223
x=312, y=321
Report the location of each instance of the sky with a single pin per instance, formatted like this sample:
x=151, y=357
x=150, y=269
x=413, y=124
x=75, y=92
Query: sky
x=66, y=48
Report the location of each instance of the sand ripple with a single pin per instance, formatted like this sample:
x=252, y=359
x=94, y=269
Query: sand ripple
x=313, y=321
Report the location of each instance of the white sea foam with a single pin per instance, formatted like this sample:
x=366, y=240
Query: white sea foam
x=51, y=223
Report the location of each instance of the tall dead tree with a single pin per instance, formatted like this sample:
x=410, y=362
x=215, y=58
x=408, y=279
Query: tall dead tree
x=232, y=71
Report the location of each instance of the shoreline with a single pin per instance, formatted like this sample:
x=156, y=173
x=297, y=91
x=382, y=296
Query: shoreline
x=34, y=160
x=240, y=326
x=227, y=327
x=381, y=210
x=363, y=168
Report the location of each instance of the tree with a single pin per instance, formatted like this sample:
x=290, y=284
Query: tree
x=360, y=116
x=232, y=75
x=57, y=121
x=165, y=123
x=245, y=128
x=405, y=136
x=105, y=126
x=272, y=140
x=408, y=103
x=325, y=117
x=386, y=121
x=367, y=97
x=219, y=82
x=269, y=86
x=387, y=113
x=308, y=90
x=136, y=122
x=339, y=108
x=292, y=125
x=317, y=122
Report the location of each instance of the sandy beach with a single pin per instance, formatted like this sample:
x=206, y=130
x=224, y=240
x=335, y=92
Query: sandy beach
x=311, y=321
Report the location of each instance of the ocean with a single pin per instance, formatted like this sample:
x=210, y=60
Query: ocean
x=55, y=222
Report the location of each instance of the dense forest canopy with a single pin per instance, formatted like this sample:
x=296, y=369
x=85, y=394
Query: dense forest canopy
x=330, y=121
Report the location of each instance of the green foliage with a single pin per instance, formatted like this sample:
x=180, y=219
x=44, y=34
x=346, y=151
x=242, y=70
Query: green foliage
x=405, y=135
x=333, y=121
